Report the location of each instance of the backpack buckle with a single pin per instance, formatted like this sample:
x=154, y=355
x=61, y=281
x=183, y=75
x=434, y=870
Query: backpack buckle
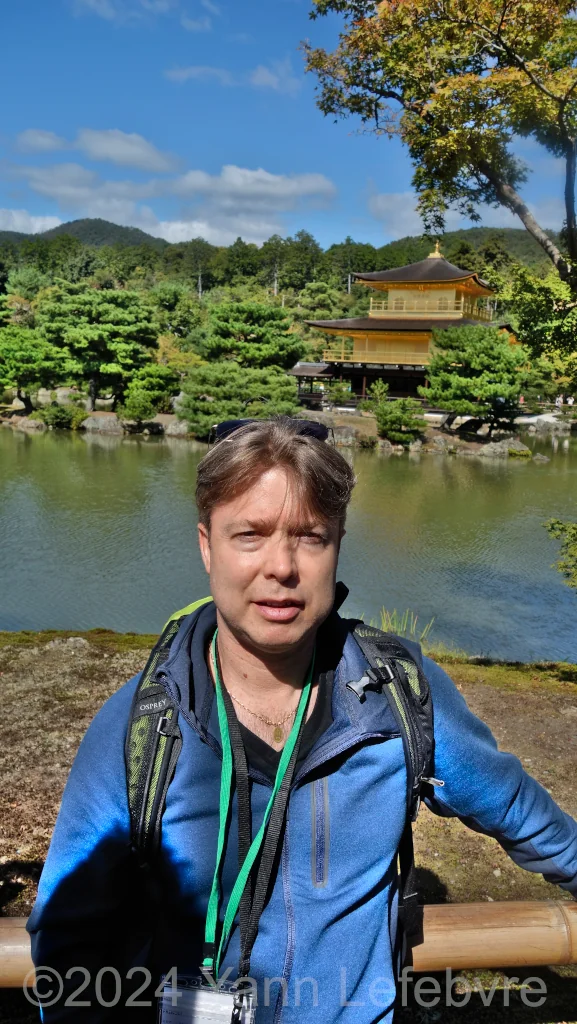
x=164, y=726
x=371, y=681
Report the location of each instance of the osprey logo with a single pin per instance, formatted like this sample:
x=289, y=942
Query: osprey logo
x=156, y=705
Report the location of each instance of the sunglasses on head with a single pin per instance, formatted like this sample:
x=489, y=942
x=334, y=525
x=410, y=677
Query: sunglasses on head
x=306, y=428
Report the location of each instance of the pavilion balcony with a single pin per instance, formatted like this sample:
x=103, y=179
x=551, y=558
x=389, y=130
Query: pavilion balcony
x=445, y=309
x=343, y=352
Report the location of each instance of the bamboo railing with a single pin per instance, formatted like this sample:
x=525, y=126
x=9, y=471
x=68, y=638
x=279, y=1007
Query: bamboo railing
x=456, y=936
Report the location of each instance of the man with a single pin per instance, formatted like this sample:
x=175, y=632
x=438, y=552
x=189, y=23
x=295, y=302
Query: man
x=259, y=678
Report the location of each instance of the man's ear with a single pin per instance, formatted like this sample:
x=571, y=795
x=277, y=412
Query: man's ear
x=204, y=545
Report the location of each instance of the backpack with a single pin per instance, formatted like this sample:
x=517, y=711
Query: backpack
x=154, y=742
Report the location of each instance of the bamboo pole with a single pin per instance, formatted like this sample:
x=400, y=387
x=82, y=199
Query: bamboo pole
x=456, y=935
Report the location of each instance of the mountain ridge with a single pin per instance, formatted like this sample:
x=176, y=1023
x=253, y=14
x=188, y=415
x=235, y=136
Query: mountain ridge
x=94, y=231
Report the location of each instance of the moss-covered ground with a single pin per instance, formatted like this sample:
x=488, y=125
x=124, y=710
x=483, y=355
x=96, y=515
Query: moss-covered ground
x=52, y=684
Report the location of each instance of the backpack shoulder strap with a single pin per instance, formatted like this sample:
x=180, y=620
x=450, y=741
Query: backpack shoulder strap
x=153, y=744
x=395, y=668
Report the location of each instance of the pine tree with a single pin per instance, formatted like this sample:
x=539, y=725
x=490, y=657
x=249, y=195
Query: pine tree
x=107, y=334
x=251, y=333
x=476, y=371
x=222, y=391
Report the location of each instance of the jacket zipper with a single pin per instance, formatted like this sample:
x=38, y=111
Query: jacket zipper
x=320, y=839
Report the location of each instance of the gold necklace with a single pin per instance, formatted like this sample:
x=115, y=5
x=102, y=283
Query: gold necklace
x=278, y=732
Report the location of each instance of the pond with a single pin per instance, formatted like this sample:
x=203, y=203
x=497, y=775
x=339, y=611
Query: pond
x=100, y=531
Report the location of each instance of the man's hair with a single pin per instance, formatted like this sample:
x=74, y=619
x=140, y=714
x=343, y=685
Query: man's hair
x=320, y=478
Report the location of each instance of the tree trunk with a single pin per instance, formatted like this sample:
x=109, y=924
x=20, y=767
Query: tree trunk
x=512, y=200
x=92, y=392
x=570, y=168
x=275, y=283
x=25, y=397
x=200, y=284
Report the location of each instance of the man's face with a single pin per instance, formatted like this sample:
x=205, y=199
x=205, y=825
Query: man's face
x=272, y=570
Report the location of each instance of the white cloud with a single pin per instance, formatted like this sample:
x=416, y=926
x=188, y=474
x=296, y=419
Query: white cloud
x=241, y=187
x=238, y=201
x=28, y=223
x=75, y=188
x=211, y=7
x=279, y=76
x=36, y=140
x=215, y=230
x=200, y=72
x=398, y=213
x=203, y=24
x=126, y=149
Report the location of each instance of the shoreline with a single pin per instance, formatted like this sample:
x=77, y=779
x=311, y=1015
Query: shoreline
x=349, y=431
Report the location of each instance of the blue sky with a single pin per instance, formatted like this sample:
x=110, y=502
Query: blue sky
x=194, y=117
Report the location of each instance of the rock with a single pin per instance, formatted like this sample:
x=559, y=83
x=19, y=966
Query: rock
x=517, y=449
x=383, y=445
x=77, y=641
x=550, y=424
x=103, y=424
x=531, y=429
x=541, y=458
x=441, y=444
x=416, y=446
x=178, y=428
x=344, y=434
x=151, y=427
x=495, y=450
x=24, y=423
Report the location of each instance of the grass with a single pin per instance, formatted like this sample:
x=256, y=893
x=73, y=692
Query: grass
x=405, y=624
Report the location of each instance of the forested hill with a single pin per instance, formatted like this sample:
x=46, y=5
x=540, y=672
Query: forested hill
x=517, y=242
x=97, y=249
x=92, y=231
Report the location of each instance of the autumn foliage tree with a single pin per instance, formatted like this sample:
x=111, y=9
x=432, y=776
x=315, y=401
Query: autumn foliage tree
x=457, y=81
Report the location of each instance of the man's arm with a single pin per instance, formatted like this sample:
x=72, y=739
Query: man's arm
x=83, y=917
x=491, y=792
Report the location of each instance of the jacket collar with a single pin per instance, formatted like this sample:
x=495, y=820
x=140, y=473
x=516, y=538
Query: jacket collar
x=187, y=678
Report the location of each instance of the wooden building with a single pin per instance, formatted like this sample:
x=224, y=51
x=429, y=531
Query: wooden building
x=394, y=341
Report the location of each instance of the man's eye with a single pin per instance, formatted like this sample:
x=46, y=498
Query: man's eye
x=313, y=538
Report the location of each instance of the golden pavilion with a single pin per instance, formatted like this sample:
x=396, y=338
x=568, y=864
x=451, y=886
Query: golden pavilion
x=394, y=341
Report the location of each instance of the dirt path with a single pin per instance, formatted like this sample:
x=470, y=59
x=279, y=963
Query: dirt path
x=52, y=685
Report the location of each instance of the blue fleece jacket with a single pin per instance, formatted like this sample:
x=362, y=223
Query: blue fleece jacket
x=326, y=950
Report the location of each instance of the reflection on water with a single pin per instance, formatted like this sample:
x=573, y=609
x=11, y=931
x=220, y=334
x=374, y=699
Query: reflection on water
x=100, y=531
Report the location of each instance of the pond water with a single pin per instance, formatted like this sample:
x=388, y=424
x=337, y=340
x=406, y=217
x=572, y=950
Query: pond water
x=98, y=531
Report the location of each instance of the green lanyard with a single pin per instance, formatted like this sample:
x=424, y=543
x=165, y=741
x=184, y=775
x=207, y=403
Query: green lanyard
x=211, y=963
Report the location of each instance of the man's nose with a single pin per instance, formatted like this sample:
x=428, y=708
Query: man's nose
x=280, y=559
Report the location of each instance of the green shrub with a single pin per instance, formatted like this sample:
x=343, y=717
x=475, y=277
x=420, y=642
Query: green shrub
x=368, y=442
x=400, y=421
x=62, y=417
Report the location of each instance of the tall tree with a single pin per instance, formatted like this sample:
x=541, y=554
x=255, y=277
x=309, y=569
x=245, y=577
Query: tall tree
x=303, y=256
x=457, y=80
x=108, y=334
x=476, y=371
x=273, y=255
x=251, y=333
x=29, y=362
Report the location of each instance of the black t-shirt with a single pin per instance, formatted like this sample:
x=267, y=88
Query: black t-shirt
x=264, y=758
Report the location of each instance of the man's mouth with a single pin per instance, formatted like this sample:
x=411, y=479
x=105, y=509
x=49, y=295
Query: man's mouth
x=281, y=610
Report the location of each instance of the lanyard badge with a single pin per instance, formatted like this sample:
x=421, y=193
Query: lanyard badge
x=192, y=1001
x=195, y=1001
